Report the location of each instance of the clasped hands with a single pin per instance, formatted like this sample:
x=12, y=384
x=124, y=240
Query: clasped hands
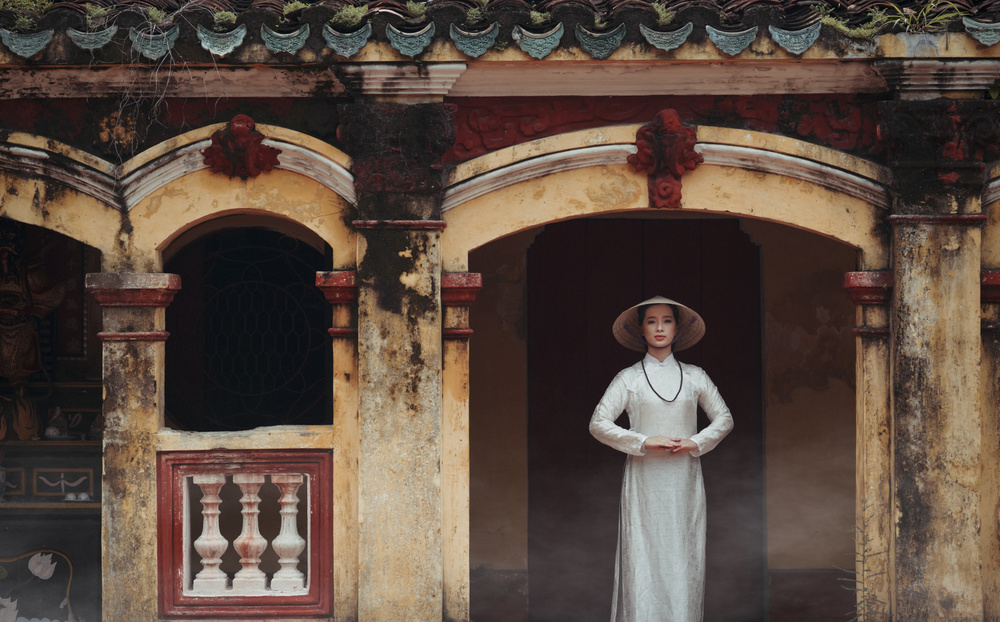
x=673, y=445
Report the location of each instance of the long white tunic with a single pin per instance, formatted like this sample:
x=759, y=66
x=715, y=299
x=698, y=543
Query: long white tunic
x=660, y=565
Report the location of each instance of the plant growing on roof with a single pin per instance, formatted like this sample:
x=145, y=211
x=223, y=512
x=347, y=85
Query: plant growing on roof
x=291, y=7
x=348, y=17
x=664, y=17
x=877, y=22
x=223, y=20
x=156, y=18
x=476, y=14
x=932, y=17
x=538, y=18
x=416, y=9
x=26, y=13
x=95, y=15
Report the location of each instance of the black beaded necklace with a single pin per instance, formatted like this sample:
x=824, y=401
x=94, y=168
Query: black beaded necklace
x=679, y=368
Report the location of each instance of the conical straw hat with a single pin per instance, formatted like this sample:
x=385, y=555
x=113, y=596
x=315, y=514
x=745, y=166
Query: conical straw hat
x=628, y=329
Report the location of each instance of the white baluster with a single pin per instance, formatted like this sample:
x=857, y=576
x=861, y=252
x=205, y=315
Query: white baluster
x=210, y=544
x=289, y=544
x=250, y=544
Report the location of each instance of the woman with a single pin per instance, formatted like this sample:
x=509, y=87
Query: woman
x=660, y=566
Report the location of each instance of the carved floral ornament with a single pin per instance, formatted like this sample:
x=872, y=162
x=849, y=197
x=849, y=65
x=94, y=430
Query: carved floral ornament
x=238, y=150
x=665, y=152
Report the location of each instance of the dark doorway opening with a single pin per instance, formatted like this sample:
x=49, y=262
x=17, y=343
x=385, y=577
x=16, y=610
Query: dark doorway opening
x=248, y=340
x=581, y=274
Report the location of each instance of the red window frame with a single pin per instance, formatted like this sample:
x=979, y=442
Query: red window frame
x=172, y=469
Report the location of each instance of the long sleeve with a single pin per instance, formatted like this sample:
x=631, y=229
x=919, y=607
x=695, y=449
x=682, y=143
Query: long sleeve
x=602, y=423
x=718, y=414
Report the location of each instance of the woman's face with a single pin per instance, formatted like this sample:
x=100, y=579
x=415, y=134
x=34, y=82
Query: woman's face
x=659, y=327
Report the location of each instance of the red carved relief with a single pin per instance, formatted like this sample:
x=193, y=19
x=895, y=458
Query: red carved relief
x=665, y=153
x=238, y=150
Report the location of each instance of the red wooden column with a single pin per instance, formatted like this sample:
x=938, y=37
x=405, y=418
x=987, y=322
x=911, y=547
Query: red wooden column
x=133, y=338
x=341, y=291
x=871, y=292
x=458, y=292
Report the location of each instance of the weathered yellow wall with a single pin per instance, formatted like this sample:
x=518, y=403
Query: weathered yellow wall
x=499, y=408
x=809, y=354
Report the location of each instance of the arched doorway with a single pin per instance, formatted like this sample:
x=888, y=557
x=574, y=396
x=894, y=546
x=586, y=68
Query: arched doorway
x=558, y=547
x=581, y=274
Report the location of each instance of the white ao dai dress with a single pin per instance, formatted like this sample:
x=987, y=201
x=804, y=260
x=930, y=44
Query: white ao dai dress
x=660, y=565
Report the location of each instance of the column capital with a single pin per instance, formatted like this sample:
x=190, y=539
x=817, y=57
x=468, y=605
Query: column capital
x=990, y=286
x=936, y=150
x=396, y=148
x=990, y=294
x=460, y=288
x=340, y=289
x=133, y=289
x=869, y=287
x=458, y=292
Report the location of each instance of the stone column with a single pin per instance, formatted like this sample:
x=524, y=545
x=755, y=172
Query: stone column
x=133, y=337
x=990, y=378
x=341, y=291
x=458, y=292
x=871, y=292
x=935, y=150
x=396, y=152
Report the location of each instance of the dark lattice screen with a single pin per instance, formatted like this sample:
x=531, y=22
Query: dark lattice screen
x=248, y=344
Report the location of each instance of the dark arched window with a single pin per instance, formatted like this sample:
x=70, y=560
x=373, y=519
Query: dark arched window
x=248, y=342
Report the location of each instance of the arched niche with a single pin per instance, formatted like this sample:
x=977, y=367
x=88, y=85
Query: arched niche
x=789, y=196
x=170, y=191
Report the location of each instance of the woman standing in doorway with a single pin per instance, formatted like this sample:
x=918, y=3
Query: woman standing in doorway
x=660, y=565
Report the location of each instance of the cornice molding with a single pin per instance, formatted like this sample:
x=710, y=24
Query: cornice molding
x=400, y=80
x=803, y=169
x=929, y=79
x=46, y=164
x=475, y=187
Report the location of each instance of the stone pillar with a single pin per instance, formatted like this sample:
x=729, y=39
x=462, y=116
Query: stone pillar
x=871, y=292
x=935, y=150
x=341, y=291
x=396, y=152
x=458, y=292
x=990, y=378
x=133, y=337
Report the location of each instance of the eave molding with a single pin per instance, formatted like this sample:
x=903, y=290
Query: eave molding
x=749, y=158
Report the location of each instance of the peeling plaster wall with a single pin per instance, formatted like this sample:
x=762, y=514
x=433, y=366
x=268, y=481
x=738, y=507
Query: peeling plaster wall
x=810, y=402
